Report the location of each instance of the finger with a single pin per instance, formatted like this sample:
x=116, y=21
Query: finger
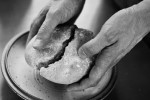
x=91, y=48
x=44, y=33
x=37, y=23
x=103, y=39
x=101, y=84
x=105, y=46
x=89, y=92
x=60, y=12
x=104, y=61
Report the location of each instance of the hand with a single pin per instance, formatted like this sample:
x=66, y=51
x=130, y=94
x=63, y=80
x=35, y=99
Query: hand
x=117, y=37
x=56, y=12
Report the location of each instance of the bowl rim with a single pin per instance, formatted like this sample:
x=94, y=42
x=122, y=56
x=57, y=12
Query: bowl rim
x=102, y=95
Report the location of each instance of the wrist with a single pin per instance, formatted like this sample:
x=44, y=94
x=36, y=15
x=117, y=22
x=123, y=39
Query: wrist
x=142, y=12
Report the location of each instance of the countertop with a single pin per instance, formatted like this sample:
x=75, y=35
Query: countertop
x=133, y=82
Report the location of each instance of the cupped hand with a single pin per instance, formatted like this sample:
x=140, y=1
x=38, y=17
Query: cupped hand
x=117, y=37
x=55, y=13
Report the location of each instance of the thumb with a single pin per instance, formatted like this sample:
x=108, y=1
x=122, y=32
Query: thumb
x=93, y=47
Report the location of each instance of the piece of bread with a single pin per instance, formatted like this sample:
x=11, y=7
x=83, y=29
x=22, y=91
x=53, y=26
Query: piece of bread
x=59, y=62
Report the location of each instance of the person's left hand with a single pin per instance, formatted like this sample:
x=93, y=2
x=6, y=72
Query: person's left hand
x=55, y=13
x=116, y=38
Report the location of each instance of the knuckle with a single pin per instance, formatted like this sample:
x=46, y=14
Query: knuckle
x=54, y=15
x=111, y=32
x=60, y=13
x=68, y=13
x=43, y=12
x=88, y=51
x=53, y=10
x=112, y=37
x=43, y=29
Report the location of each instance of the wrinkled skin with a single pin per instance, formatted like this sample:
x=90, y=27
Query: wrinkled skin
x=56, y=12
x=118, y=36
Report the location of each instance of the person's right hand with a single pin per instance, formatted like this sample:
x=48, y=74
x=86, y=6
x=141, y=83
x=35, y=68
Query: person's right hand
x=55, y=13
x=120, y=33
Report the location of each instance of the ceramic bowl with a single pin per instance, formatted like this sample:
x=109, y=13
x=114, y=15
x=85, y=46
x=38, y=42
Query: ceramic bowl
x=28, y=84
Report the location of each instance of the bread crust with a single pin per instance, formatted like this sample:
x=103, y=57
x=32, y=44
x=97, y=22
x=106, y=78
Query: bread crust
x=70, y=67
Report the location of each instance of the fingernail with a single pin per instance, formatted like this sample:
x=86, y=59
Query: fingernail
x=82, y=53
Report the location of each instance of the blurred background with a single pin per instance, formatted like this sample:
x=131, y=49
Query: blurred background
x=133, y=81
x=15, y=17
